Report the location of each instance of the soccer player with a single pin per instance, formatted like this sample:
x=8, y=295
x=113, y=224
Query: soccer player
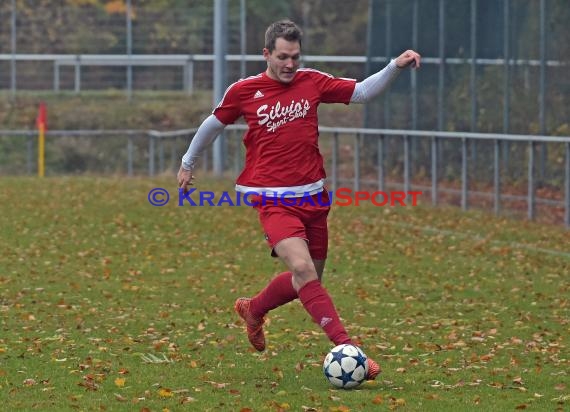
x=283, y=159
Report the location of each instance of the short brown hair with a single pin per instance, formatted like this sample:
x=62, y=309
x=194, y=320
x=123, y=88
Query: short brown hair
x=285, y=29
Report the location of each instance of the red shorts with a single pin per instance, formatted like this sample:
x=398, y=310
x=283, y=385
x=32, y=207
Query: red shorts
x=281, y=220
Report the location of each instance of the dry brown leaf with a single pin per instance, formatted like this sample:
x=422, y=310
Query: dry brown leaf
x=378, y=400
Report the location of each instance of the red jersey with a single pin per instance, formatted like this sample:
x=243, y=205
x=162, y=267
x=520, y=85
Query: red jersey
x=282, y=140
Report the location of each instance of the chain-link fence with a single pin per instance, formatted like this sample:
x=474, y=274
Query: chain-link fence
x=442, y=167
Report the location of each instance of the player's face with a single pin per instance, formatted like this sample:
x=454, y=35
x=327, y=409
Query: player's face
x=283, y=61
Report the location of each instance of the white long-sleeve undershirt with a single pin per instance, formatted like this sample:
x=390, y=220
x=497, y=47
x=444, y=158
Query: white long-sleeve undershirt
x=375, y=84
x=364, y=91
x=206, y=133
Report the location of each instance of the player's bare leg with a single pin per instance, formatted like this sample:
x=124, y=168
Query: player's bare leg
x=316, y=300
x=319, y=267
x=294, y=252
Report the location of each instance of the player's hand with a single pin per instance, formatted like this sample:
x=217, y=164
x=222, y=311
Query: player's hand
x=408, y=58
x=184, y=179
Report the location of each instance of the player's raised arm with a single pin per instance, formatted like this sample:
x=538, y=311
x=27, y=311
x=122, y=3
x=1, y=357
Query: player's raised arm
x=205, y=135
x=377, y=83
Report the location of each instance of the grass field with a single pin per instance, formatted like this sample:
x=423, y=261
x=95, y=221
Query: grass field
x=109, y=303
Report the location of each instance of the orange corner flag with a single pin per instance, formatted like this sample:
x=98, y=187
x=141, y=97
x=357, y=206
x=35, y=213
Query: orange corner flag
x=42, y=116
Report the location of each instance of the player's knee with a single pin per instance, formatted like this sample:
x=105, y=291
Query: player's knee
x=304, y=271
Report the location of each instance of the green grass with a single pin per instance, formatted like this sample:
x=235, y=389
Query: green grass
x=463, y=310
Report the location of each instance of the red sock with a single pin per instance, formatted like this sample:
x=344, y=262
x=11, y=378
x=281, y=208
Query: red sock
x=319, y=304
x=278, y=292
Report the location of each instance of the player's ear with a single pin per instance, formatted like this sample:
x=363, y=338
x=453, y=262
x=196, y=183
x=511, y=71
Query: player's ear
x=266, y=53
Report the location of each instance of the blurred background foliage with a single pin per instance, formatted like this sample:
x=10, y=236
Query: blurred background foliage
x=331, y=27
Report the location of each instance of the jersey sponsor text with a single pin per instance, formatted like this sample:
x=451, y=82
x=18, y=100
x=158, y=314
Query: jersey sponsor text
x=279, y=115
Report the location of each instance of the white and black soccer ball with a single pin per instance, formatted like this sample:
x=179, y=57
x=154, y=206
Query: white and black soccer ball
x=345, y=366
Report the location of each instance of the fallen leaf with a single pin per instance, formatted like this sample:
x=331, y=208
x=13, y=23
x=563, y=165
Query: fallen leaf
x=165, y=393
x=378, y=399
x=518, y=380
x=120, y=397
x=187, y=399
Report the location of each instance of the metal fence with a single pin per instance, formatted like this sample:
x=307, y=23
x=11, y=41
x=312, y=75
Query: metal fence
x=488, y=66
x=403, y=159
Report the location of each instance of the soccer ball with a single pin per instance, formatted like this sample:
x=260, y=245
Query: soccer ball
x=345, y=366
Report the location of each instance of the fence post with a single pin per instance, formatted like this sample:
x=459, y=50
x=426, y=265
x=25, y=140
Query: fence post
x=151, y=144
x=189, y=75
x=473, y=78
x=497, y=176
x=77, y=73
x=13, y=49
x=388, y=22
x=243, y=37
x=567, y=189
x=530, y=196
x=441, y=72
x=473, y=72
x=406, y=163
x=129, y=51
x=30, y=157
x=173, y=161
x=414, y=86
x=413, y=73
x=507, y=81
x=380, y=160
x=434, y=161
x=335, y=161
x=357, y=162
x=160, y=155
x=55, y=76
x=220, y=70
x=130, y=155
x=542, y=90
x=464, y=173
